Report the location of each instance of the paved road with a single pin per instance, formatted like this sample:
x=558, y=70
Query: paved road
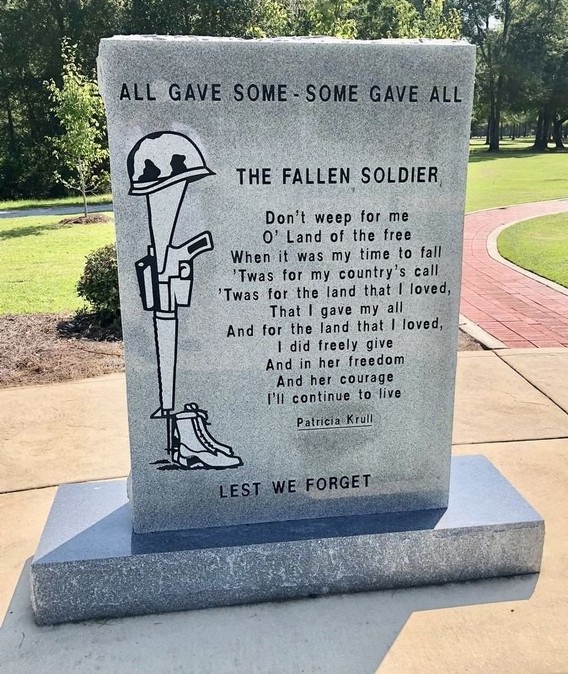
x=52, y=210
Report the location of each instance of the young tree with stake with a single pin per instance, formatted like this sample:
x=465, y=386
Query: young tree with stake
x=79, y=108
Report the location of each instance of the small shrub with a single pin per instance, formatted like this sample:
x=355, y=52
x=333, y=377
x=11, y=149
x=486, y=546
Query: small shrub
x=99, y=284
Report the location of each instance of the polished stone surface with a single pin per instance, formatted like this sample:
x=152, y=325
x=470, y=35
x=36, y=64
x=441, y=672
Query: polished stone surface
x=182, y=169
x=90, y=565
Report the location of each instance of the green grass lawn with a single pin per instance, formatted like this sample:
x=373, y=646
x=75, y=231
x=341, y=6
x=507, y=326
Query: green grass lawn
x=514, y=176
x=41, y=262
x=22, y=204
x=539, y=245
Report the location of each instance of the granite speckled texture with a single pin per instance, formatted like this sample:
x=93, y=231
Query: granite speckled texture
x=158, y=126
x=90, y=565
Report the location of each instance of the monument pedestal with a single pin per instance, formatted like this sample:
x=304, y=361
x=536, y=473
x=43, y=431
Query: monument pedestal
x=90, y=564
x=289, y=311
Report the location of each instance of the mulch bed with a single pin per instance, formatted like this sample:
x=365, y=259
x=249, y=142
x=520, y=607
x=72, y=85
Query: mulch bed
x=85, y=220
x=48, y=348
x=34, y=351
x=467, y=343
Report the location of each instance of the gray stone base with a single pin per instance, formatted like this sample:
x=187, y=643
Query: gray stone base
x=89, y=564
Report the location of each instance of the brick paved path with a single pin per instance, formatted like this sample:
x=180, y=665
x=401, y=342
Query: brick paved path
x=517, y=310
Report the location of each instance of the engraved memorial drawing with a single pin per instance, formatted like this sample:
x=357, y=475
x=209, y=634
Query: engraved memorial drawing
x=160, y=167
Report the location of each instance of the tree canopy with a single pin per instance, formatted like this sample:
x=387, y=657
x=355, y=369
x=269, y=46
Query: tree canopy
x=522, y=57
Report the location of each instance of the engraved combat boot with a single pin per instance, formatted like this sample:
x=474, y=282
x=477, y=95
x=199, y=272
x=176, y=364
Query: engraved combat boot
x=202, y=423
x=194, y=447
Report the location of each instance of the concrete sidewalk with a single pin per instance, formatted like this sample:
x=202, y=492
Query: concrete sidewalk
x=511, y=405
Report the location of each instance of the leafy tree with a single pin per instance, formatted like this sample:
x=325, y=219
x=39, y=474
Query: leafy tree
x=30, y=53
x=543, y=51
x=405, y=19
x=271, y=18
x=79, y=108
x=522, y=63
x=522, y=69
x=439, y=21
x=223, y=18
x=487, y=23
x=327, y=17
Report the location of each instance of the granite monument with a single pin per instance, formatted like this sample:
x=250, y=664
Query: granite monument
x=289, y=229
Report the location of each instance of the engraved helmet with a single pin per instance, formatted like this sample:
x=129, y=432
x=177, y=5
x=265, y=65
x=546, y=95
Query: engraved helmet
x=162, y=159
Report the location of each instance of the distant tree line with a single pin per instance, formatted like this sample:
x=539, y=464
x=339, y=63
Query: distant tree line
x=522, y=70
x=522, y=57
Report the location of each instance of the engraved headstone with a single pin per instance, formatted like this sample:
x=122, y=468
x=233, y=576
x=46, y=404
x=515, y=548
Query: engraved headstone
x=289, y=222
x=289, y=225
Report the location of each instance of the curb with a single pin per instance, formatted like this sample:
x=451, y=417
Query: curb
x=494, y=253
x=479, y=334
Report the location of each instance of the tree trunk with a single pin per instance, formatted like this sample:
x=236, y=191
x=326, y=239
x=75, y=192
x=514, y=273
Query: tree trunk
x=84, y=195
x=11, y=132
x=494, y=127
x=542, y=130
x=59, y=16
x=557, y=132
x=495, y=114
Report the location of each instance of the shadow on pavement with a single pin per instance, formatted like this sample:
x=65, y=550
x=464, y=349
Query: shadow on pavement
x=343, y=634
